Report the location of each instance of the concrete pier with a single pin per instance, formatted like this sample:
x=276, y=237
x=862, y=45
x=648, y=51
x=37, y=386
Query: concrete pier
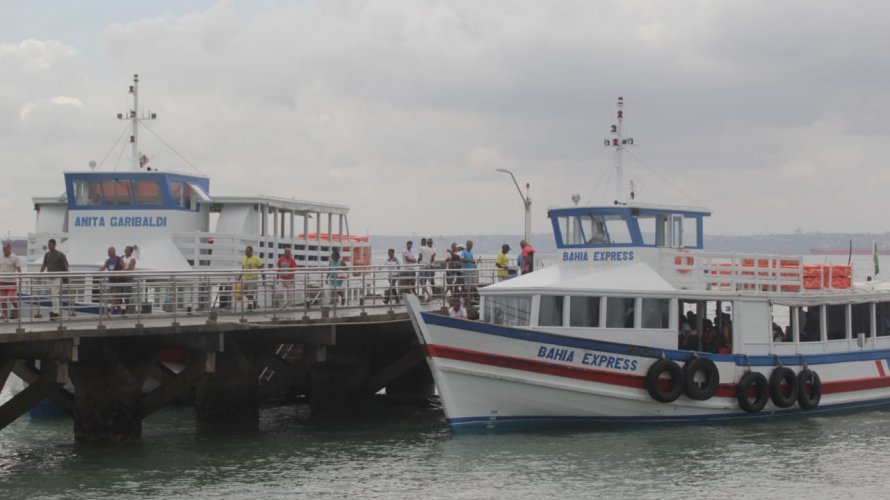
x=110, y=377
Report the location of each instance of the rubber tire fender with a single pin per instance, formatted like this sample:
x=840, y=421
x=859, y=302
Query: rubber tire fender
x=783, y=374
x=712, y=378
x=653, y=376
x=808, y=401
x=758, y=382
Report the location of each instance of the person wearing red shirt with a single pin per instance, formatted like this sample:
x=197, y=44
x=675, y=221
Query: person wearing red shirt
x=286, y=264
x=528, y=257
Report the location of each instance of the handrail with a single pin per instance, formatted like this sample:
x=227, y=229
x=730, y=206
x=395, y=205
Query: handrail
x=67, y=298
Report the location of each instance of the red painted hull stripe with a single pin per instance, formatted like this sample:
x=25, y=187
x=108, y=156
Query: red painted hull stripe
x=615, y=378
x=880, y=366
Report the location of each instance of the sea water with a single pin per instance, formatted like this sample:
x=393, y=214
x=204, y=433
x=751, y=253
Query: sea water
x=404, y=451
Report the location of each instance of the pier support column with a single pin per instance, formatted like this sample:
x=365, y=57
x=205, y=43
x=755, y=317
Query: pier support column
x=227, y=399
x=108, y=383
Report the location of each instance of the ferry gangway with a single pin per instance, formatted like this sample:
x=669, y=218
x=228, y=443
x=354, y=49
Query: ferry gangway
x=83, y=300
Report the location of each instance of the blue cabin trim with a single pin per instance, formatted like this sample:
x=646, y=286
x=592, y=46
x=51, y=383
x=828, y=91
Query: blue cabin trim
x=133, y=191
x=620, y=226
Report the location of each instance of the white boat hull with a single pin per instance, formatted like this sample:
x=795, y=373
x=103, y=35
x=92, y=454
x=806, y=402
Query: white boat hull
x=492, y=376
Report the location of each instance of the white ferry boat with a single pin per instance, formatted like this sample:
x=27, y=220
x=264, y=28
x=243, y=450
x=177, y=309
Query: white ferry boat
x=176, y=223
x=637, y=323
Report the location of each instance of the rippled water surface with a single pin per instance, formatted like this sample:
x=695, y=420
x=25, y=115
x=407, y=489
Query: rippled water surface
x=408, y=452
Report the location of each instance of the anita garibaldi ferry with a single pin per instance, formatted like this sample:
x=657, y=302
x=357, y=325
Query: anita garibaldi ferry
x=638, y=323
x=176, y=223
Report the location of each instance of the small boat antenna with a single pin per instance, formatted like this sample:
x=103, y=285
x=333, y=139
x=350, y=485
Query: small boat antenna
x=133, y=116
x=618, y=142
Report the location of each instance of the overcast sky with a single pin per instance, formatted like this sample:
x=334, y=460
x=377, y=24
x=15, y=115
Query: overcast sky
x=774, y=114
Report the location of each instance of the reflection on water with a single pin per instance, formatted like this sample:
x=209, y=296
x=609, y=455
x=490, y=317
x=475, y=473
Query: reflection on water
x=407, y=452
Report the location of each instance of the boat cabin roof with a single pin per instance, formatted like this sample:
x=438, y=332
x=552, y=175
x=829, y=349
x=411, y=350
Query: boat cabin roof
x=628, y=225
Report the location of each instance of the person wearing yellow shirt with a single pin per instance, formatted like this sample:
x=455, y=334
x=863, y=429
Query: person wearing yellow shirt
x=501, y=263
x=248, y=263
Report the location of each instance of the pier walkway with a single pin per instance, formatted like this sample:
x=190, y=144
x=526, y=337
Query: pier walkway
x=109, y=348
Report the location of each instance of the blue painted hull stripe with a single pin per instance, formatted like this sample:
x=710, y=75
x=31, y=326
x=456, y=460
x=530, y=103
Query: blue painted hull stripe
x=648, y=352
x=483, y=422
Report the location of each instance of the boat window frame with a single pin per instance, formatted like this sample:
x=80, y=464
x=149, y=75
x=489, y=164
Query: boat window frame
x=598, y=319
x=559, y=301
x=489, y=309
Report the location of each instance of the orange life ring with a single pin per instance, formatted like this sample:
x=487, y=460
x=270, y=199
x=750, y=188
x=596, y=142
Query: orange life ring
x=683, y=263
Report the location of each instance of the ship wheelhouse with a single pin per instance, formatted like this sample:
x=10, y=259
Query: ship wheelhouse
x=628, y=225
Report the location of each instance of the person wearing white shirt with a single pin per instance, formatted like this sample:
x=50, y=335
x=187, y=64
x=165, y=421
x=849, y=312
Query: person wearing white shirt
x=425, y=275
x=392, y=266
x=456, y=310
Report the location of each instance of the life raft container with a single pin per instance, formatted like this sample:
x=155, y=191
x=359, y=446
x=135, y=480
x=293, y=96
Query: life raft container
x=753, y=392
x=783, y=387
x=665, y=389
x=697, y=369
x=809, y=389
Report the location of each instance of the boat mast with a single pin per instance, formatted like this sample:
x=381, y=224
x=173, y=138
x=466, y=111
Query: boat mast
x=138, y=160
x=618, y=142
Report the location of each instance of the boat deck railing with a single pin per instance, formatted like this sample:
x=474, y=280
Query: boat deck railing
x=754, y=272
x=46, y=300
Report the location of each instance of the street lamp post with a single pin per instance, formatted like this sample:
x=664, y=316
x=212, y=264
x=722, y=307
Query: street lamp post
x=526, y=202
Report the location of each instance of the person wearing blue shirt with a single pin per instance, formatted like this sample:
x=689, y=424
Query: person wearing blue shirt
x=468, y=266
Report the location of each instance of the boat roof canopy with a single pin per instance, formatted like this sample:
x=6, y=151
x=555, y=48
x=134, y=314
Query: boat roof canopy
x=628, y=225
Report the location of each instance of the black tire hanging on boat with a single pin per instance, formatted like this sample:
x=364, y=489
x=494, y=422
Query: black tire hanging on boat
x=653, y=379
x=757, y=382
x=712, y=378
x=776, y=393
x=809, y=389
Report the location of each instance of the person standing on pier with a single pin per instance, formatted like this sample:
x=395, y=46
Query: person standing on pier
x=468, y=264
x=392, y=266
x=55, y=261
x=336, y=277
x=113, y=263
x=528, y=256
x=425, y=275
x=502, y=262
x=409, y=273
x=129, y=265
x=286, y=279
x=250, y=262
x=9, y=265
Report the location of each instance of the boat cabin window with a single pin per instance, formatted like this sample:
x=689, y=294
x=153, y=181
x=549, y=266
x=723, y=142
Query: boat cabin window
x=117, y=192
x=508, y=310
x=595, y=229
x=87, y=193
x=620, y=312
x=582, y=229
x=656, y=313
x=705, y=325
x=783, y=331
x=810, y=321
x=689, y=238
x=550, y=310
x=836, y=321
x=182, y=194
x=882, y=319
x=860, y=319
x=148, y=192
x=584, y=311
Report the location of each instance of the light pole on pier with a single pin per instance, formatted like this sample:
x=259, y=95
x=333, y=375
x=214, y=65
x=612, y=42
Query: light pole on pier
x=526, y=202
